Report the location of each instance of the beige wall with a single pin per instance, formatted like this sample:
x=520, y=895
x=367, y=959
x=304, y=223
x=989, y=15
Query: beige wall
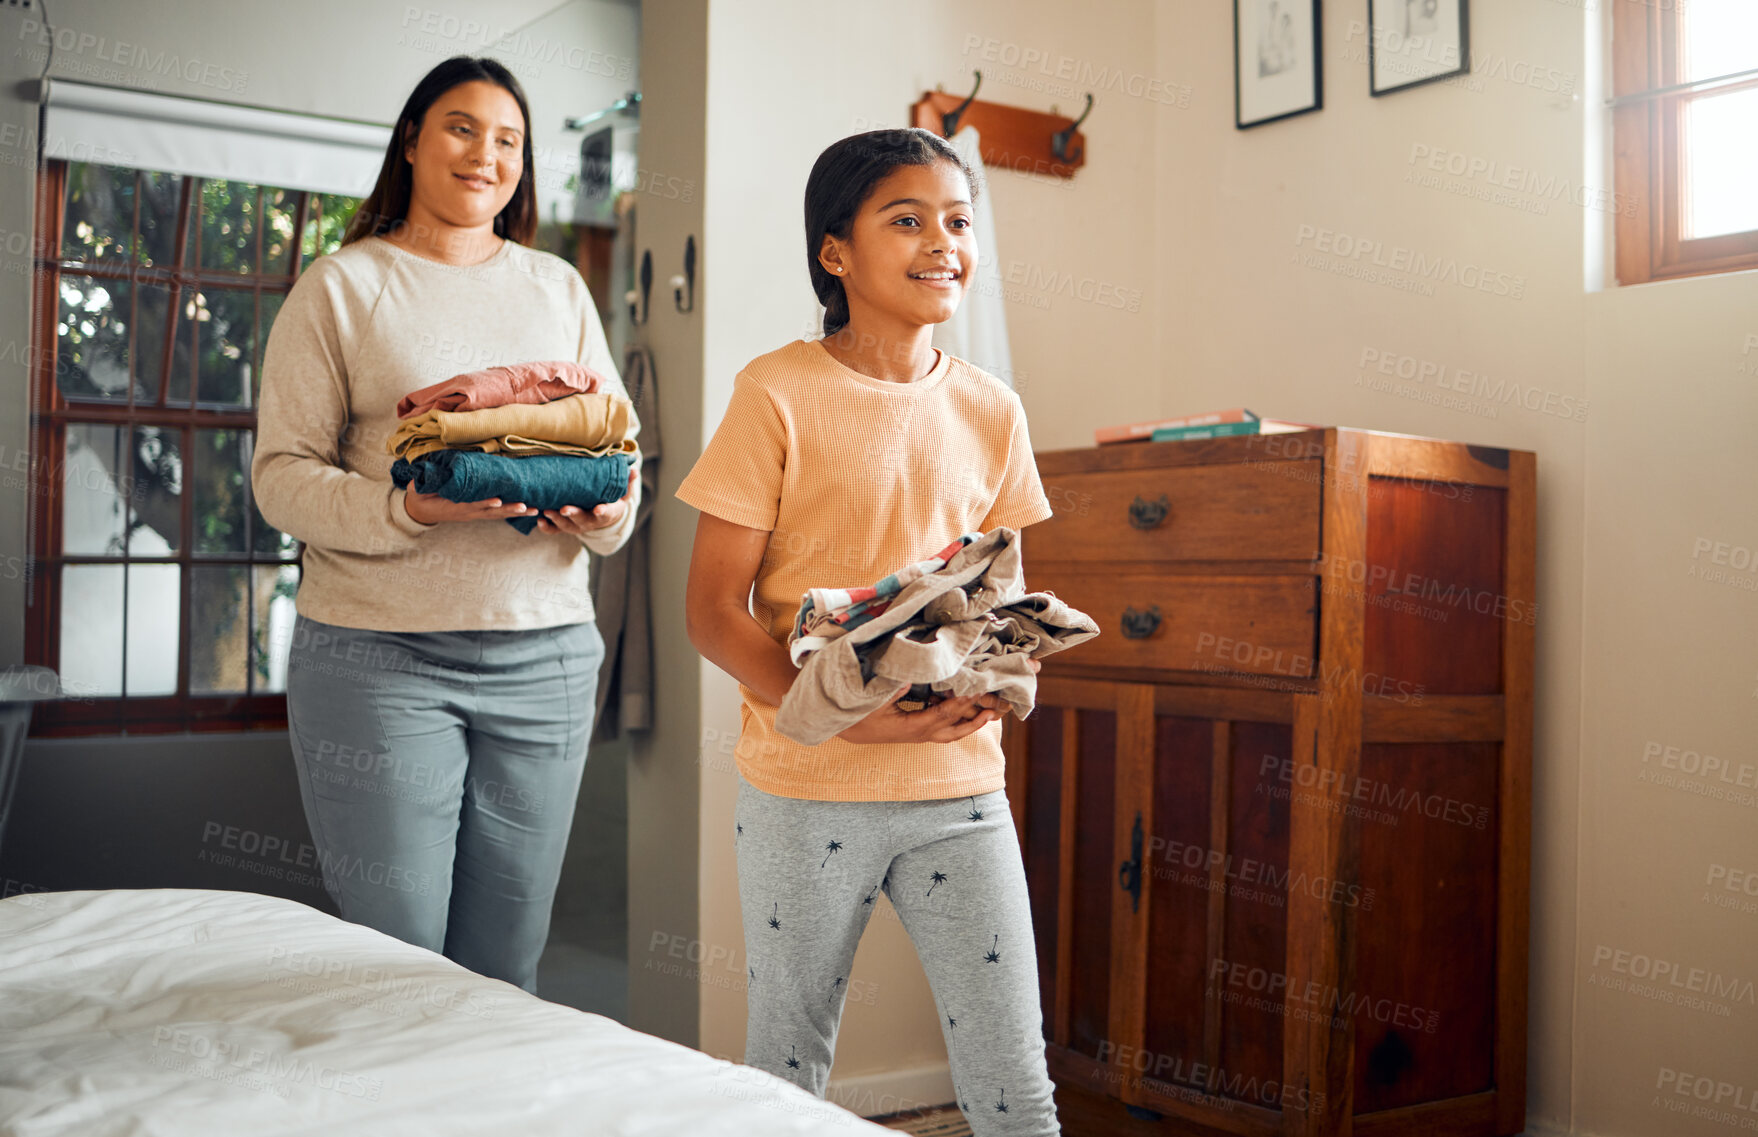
x=1226, y=244
x=1632, y=649
x=1243, y=321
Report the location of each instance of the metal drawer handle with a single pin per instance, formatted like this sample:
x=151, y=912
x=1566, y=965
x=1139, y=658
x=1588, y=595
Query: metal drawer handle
x=1144, y=514
x=1139, y=624
x=1129, y=872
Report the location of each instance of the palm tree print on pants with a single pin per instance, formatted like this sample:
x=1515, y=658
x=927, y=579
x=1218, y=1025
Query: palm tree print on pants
x=775, y=918
x=834, y=988
x=793, y=1063
x=975, y=814
x=993, y=955
x=834, y=848
x=938, y=879
x=1001, y=1106
x=869, y=897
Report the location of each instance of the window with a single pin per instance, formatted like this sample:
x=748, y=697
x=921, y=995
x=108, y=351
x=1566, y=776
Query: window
x=158, y=592
x=1685, y=80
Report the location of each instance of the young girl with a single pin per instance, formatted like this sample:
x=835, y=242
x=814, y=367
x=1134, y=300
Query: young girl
x=838, y=461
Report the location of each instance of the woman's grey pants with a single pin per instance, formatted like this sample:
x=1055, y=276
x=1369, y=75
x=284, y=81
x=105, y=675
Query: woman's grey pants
x=809, y=874
x=438, y=772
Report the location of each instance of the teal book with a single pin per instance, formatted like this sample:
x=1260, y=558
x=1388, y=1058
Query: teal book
x=1213, y=430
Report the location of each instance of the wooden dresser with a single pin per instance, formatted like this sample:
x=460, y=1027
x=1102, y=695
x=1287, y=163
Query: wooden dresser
x=1276, y=817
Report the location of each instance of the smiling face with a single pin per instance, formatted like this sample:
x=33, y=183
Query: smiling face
x=911, y=249
x=468, y=156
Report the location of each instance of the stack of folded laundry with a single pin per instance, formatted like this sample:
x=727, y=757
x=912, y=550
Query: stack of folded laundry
x=957, y=624
x=539, y=433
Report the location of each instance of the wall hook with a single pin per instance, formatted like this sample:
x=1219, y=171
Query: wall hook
x=949, y=122
x=1060, y=140
x=685, y=285
x=637, y=299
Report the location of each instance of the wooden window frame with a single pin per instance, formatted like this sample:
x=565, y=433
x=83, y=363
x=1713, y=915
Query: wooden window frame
x=51, y=414
x=1647, y=147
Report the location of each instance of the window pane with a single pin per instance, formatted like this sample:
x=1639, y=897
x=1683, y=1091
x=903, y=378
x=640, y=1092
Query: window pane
x=160, y=196
x=275, y=586
x=1720, y=167
x=221, y=470
x=99, y=215
x=219, y=628
x=279, y=213
x=228, y=225
x=225, y=320
x=149, y=346
x=1720, y=37
x=93, y=350
x=91, y=629
x=323, y=232
x=153, y=607
x=94, y=478
x=266, y=540
x=269, y=309
x=156, y=505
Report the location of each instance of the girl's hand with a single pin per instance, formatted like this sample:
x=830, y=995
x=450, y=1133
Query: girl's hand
x=574, y=520
x=946, y=721
x=431, y=508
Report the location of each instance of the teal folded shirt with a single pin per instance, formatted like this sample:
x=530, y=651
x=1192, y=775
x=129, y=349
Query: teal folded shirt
x=547, y=481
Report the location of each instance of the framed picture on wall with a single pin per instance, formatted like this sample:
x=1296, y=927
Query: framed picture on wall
x=1411, y=42
x=1275, y=60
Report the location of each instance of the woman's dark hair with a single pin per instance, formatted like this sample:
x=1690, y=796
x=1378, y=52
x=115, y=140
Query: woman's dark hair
x=388, y=204
x=840, y=181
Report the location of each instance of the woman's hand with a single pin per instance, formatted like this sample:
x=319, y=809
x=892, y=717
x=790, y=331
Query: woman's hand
x=431, y=508
x=576, y=521
x=946, y=721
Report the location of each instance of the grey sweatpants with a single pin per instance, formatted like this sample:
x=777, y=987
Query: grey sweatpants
x=809, y=875
x=438, y=772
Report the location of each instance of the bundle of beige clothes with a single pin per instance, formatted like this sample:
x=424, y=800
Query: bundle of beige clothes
x=588, y=425
x=965, y=629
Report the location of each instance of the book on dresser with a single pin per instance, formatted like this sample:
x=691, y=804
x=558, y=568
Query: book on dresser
x=1275, y=820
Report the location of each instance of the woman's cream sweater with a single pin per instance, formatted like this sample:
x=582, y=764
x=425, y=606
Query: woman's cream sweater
x=361, y=328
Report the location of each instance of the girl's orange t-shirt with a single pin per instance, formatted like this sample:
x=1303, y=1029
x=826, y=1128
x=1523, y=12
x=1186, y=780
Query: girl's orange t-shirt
x=854, y=477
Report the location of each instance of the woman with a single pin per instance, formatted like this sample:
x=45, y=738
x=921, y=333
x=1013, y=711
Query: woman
x=440, y=684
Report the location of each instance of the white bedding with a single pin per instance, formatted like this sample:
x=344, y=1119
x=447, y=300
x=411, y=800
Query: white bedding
x=181, y=1012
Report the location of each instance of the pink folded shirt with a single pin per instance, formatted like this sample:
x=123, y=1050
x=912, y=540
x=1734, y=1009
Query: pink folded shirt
x=497, y=386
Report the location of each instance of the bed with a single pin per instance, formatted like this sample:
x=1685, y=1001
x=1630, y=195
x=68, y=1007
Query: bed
x=174, y=1011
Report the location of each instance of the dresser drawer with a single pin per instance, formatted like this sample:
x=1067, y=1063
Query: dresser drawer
x=1265, y=511
x=1257, y=625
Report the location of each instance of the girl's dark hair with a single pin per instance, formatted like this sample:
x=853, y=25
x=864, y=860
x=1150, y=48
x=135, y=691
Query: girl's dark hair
x=840, y=181
x=388, y=204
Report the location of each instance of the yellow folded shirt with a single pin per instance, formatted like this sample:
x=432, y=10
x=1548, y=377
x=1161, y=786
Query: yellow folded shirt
x=516, y=447
x=591, y=424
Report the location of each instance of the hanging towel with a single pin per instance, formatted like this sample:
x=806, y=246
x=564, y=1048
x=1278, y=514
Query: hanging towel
x=589, y=425
x=542, y=482
x=621, y=587
x=977, y=332
x=537, y=382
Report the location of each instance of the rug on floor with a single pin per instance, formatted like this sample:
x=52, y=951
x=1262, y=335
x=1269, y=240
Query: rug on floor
x=946, y=1121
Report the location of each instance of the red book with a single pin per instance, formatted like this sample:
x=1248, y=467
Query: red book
x=1142, y=431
